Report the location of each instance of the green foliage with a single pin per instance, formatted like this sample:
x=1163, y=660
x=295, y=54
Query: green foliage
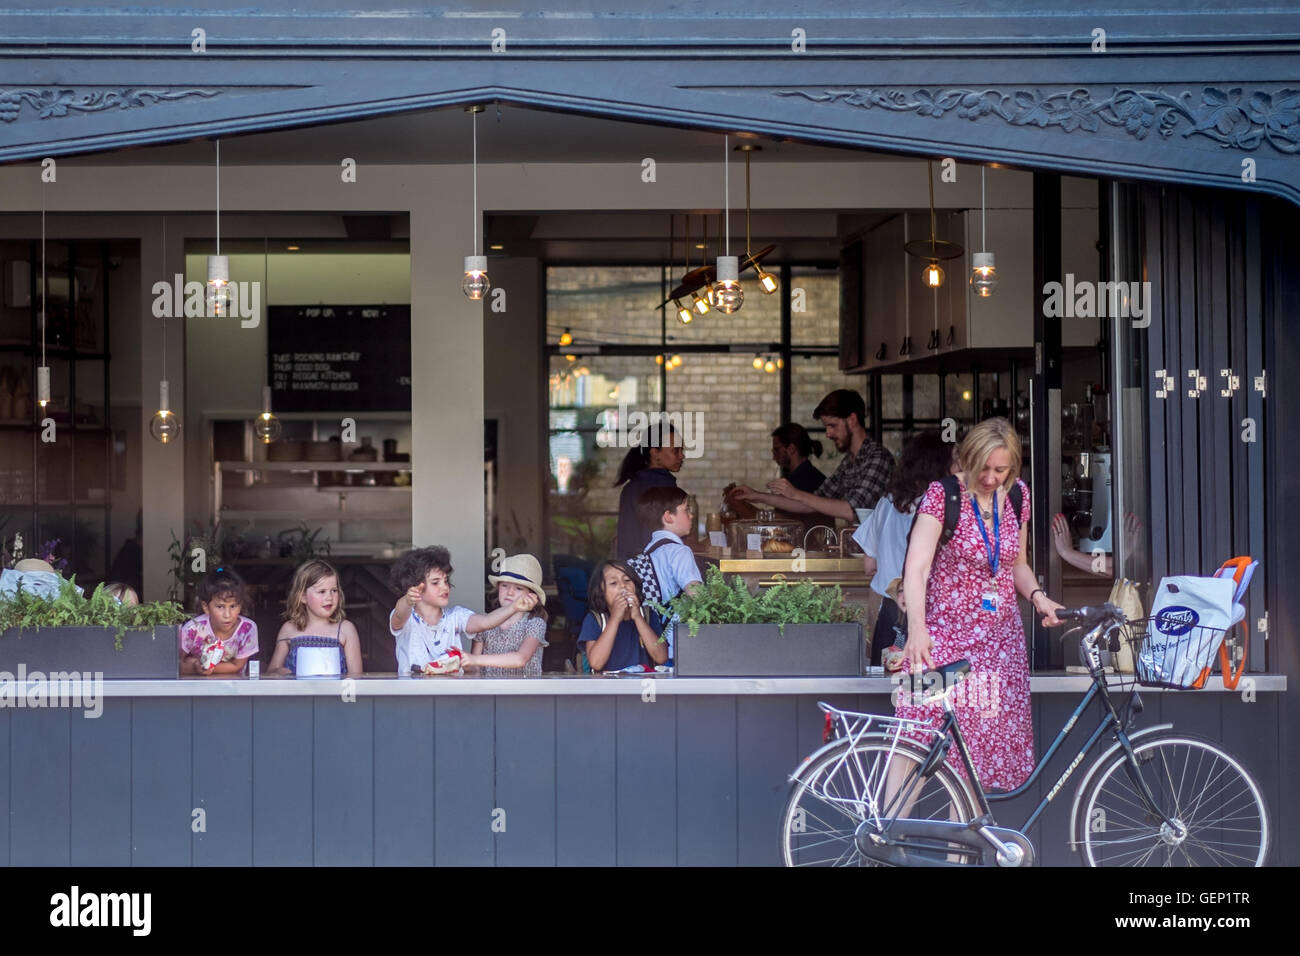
x=301, y=543
x=721, y=601
x=591, y=538
x=28, y=612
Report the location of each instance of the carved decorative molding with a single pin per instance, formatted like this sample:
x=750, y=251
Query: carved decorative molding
x=54, y=102
x=1226, y=116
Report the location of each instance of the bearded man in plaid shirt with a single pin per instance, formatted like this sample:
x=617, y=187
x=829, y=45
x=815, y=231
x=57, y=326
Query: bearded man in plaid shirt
x=858, y=482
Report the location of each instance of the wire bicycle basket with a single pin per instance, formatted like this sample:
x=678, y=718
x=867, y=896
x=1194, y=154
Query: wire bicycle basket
x=1171, y=652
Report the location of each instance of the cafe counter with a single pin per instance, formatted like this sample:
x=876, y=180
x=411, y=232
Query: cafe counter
x=381, y=770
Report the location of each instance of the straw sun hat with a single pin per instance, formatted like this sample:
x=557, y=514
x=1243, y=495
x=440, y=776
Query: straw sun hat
x=524, y=570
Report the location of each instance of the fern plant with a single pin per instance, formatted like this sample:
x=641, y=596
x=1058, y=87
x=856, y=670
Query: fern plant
x=27, y=612
x=718, y=600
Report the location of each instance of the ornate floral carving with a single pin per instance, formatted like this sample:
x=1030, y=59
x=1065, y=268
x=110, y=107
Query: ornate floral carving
x=52, y=102
x=1229, y=117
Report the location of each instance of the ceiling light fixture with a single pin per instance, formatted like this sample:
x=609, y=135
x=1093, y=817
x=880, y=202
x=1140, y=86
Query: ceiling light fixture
x=729, y=296
x=43, y=371
x=475, y=285
x=766, y=281
x=267, y=428
x=164, y=426
x=933, y=249
x=216, y=294
x=684, y=315
x=984, y=270
x=566, y=337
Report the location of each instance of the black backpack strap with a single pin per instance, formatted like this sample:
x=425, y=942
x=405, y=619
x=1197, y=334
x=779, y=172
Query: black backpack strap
x=951, y=507
x=1017, y=501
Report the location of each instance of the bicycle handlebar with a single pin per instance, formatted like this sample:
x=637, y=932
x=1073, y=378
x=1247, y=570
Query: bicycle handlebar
x=1090, y=616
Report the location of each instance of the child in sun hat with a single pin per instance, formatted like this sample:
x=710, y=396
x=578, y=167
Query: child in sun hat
x=514, y=645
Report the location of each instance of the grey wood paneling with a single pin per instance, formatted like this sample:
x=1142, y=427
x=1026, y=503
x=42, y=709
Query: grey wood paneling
x=766, y=754
x=343, y=782
x=39, y=798
x=706, y=781
x=463, y=781
x=646, y=791
x=525, y=780
x=162, y=778
x=282, y=781
x=586, y=792
x=223, y=781
x=404, y=811
x=101, y=786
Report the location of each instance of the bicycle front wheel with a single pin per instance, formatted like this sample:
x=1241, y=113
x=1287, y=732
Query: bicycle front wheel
x=842, y=788
x=1215, y=806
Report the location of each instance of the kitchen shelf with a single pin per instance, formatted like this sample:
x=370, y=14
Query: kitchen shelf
x=348, y=466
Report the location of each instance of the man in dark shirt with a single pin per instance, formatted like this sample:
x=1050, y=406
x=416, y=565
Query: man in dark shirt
x=791, y=448
x=859, y=480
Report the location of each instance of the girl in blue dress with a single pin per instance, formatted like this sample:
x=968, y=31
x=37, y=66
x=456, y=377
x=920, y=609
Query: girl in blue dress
x=314, y=618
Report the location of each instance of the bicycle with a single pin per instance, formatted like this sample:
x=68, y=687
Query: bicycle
x=1154, y=797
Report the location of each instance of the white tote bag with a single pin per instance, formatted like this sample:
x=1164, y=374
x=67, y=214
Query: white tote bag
x=1189, y=618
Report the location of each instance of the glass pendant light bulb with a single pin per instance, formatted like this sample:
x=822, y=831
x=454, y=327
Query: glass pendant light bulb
x=729, y=295
x=766, y=281
x=769, y=366
x=43, y=386
x=267, y=428
x=684, y=315
x=659, y=360
x=676, y=361
x=571, y=358
x=701, y=304
x=165, y=427
x=217, y=292
x=475, y=285
x=983, y=274
x=932, y=276
x=780, y=363
x=758, y=363
x=566, y=338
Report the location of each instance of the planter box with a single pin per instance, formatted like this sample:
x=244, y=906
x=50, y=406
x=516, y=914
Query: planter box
x=145, y=653
x=760, y=650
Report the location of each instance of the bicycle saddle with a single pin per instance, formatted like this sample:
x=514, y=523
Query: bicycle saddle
x=953, y=671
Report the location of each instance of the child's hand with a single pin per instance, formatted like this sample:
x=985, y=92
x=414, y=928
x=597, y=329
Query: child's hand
x=632, y=607
x=413, y=594
x=525, y=602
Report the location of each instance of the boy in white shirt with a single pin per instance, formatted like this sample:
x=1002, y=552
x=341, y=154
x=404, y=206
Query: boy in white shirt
x=423, y=626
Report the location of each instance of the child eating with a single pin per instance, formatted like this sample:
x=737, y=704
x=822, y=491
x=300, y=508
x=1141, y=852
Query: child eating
x=219, y=642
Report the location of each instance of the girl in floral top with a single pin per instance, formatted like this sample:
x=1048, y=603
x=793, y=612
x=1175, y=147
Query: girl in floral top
x=514, y=646
x=219, y=642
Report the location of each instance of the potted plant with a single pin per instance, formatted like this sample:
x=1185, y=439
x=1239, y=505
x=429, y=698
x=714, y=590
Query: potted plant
x=88, y=634
x=788, y=630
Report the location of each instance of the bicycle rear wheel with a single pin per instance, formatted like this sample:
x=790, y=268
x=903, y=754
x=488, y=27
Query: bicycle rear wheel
x=1216, y=805
x=841, y=789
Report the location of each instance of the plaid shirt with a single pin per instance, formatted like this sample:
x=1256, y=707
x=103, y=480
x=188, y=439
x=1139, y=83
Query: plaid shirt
x=860, y=479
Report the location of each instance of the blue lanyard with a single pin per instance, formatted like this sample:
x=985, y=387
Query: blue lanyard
x=994, y=552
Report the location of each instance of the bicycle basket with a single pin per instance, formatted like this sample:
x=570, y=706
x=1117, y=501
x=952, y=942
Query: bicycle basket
x=1171, y=653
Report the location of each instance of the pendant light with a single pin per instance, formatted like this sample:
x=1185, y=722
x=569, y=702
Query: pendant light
x=766, y=281
x=684, y=315
x=216, y=294
x=267, y=428
x=475, y=285
x=43, y=370
x=566, y=337
x=702, y=303
x=984, y=271
x=729, y=296
x=933, y=249
x=165, y=427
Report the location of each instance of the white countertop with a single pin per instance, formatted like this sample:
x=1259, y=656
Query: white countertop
x=573, y=685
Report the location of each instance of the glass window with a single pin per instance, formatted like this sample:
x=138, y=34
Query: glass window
x=818, y=322
x=611, y=304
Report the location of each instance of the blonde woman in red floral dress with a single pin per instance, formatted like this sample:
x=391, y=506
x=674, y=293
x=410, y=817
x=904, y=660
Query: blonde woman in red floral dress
x=961, y=603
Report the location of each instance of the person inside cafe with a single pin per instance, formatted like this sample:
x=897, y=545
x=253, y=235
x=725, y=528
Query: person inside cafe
x=792, y=447
x=857, y=482
x=652, y=463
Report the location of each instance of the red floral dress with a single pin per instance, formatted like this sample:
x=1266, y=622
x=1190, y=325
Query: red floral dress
x=992, y=704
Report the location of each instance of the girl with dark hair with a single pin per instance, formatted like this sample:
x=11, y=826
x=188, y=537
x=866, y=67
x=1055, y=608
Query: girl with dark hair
x=219, y=642
x=618, y=632
x=883, y=536
x=645, y=465
x=791, y=448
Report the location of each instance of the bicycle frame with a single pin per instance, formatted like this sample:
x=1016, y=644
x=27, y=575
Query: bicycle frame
x=1110, y=722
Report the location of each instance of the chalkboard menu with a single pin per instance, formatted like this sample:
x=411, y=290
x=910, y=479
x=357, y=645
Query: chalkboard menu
x=344, y=358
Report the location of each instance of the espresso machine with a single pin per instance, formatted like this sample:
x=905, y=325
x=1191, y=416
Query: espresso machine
x=1086, y=471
